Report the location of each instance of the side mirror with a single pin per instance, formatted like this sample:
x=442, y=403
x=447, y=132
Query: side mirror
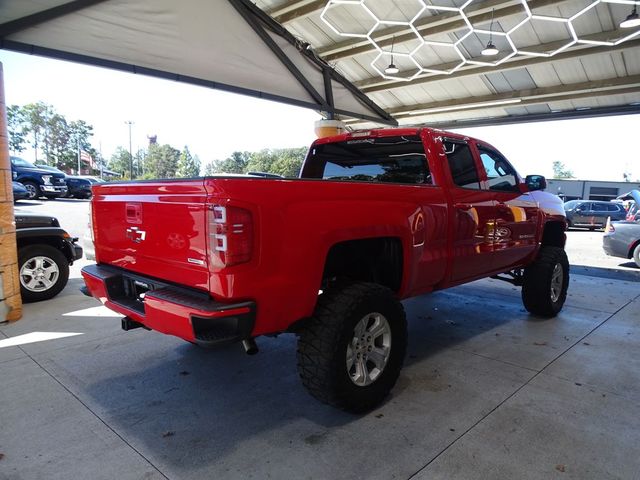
x=535, y=182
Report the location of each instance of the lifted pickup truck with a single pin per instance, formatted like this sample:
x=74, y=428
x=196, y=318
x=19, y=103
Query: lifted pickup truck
x=375, y=217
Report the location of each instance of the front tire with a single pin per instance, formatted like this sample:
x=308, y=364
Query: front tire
x=545, y=282
x=33, y=189
x=351, y=351
x=43, y=272
x=636, y=255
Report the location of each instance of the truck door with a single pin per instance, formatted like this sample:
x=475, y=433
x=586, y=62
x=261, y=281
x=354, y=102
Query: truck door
x=516, y=212
x=473, y=214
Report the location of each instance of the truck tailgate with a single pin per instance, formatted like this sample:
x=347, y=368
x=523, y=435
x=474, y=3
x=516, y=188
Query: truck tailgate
x=155, y=228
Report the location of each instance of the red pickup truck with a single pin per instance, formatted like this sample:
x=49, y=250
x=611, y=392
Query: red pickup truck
x=375, y=217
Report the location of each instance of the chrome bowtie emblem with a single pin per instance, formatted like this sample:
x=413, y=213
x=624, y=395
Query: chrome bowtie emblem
x=135, y=234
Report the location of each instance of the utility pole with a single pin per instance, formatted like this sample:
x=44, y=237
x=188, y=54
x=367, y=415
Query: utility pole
x=129, y=122
x=101, y=160
x=79, y=156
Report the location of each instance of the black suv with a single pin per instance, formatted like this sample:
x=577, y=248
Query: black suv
x=78, y=187
x=592, y=214
x=45, y=252
x=39, y=182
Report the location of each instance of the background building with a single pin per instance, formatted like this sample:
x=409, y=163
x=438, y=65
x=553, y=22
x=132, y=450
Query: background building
x=589, y=189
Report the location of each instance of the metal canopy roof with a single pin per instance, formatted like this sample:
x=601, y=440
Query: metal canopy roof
x=224, y=44
x=562, y=58
x=558, y=58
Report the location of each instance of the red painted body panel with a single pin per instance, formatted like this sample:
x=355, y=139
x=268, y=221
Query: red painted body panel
x=172, y=217
x=449, y=235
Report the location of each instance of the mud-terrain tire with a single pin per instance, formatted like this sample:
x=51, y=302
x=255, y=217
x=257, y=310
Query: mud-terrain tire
x=545, y=282
x=43, y=272
x=351, y=351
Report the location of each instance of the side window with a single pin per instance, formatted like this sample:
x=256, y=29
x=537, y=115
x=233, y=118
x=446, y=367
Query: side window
x=599, y=207
x=461, y=163
x=614, y=207
x=500, y=175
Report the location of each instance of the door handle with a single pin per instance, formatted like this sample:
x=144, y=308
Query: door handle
x=463, y=206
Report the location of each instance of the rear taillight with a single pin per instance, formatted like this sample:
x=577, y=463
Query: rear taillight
x=91, y=221
x=231, y=235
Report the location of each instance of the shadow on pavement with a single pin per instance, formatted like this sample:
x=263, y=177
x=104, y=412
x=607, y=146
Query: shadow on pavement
x=610, y=273
x=215, y=401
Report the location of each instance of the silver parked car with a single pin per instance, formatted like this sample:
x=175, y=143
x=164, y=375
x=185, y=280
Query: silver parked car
x=622, y=239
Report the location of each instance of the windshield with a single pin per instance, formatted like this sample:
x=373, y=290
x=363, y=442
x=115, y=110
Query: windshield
x=17, y=161
x=570, y=204
x=398, y=159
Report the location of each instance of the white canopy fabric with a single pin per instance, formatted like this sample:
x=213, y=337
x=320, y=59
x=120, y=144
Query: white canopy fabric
x=222, y=44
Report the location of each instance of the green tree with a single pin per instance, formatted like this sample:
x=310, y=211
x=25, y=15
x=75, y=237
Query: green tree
x=188, y=165
x=236, y=163
x=120, y=162
x=209, y=168
x=54, y=139
x=57, y=137
x=139, y=160
x=561, y=171
x=17, y=129
x=281, y=161
x=37, y=117
x=289, y=161
x=161, y=161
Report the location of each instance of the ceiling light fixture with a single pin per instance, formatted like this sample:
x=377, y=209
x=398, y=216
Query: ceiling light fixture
x=392, y=69
x=490, y=50
x=632, y=20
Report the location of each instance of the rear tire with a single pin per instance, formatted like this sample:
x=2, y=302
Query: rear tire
x=351, y=351
x=43, y=272
x=545, y=282
x=636, y=255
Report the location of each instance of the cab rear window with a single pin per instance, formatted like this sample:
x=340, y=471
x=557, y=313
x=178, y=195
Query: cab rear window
x=399, y=159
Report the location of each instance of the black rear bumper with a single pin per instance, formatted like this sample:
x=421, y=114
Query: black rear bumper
x=176, y=310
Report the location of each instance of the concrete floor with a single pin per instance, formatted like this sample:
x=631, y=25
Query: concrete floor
x=487, y=392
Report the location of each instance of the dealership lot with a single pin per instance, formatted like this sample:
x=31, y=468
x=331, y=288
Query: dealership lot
x=487, y=391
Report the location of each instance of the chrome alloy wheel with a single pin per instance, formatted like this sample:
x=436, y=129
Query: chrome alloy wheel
x=32, y=189
x=557, y=278
x=369, y=349
x=39, y=274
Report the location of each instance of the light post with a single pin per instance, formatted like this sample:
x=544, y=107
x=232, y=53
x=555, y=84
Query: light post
x=129, y=122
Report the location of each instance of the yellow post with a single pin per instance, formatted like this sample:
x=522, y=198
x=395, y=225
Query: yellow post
x=329, y=128
x=10, y=301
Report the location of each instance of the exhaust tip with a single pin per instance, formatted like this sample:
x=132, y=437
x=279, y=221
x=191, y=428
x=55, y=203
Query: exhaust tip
x=250, y=346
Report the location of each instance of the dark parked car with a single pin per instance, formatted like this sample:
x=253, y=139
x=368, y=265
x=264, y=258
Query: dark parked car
x=78, y=187
x=45, y=252
x=622, y=239
x=37, y=181
x=592, y=214
x=19, y=192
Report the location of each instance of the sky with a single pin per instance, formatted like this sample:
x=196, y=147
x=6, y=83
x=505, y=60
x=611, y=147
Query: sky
x=214, y=124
